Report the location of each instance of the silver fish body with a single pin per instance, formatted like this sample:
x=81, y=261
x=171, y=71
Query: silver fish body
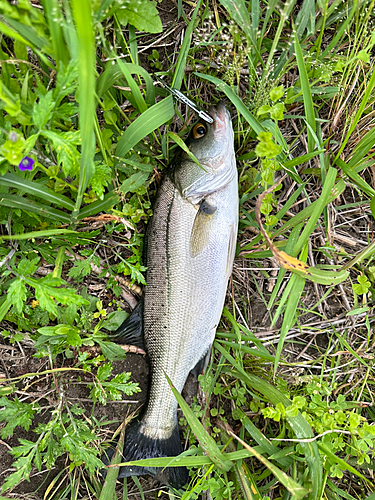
x=191, y=241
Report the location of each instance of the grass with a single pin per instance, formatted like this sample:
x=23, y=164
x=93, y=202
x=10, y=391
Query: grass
x=285, y=410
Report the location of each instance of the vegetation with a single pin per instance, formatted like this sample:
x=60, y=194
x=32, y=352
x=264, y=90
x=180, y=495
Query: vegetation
x=286, y=408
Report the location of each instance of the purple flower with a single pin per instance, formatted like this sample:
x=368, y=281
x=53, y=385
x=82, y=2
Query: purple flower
x=26, y=163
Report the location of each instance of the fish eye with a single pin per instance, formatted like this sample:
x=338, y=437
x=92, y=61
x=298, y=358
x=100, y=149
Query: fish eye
x=199, y=130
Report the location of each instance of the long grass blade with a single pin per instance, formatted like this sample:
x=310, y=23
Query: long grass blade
x=109, y=200
x=150, y=120
x=292, y=486
x=113, y=73
x=307, y=97
x=86, y=78
x=136, y=93
x=36, y=189
x=54, y=16
x=179, y=70
x=356, y=178
x=13, y=201
x=364, y=102
x=108, y=490
x=240, y=106
x=205, y=440
x=47, y=233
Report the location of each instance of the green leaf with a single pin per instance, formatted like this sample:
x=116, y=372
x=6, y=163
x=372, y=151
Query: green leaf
x=277, y=93
x=81, y=268
x=179, y=70
x=27, y=266
x=64, y=144
x=42, y=110
x=43, y=296
x=17, y=294
x=142, y=14
x=240, y=14
x=109, y=200
x=132, y=183
x=111, y=351
x=15, y=414
x=277, y=111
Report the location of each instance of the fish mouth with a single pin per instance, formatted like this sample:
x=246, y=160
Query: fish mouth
x=221, y=117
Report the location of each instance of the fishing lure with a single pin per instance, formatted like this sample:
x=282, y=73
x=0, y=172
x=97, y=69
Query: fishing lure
x=182, y=98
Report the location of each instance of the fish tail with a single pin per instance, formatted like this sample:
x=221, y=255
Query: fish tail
x=138, y=446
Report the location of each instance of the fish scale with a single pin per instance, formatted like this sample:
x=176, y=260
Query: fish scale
x=191, y=241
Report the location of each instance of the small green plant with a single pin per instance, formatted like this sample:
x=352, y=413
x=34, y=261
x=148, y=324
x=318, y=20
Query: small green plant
x=153, y=58
x=338, y=423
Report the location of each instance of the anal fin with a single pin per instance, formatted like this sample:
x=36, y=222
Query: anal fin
x=131, y=330
x=202, y=364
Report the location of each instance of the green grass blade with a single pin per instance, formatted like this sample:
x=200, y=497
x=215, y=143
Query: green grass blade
x=136, y=93
x=363, y=147
x=248, y=350
x=205, y=440
x=36, y=189
x=240, y=106
x=86, y=79
x=133, y=46
x=323, y=200
x=364, y=102
x=262, y=441
x=5, y=305
x=54, y=16
x=306, y=19
x=284, y=15
x=47, y=233
x=356, y=178
x=292, y=486
x=300, y=427
x=108, y=490
x=177, y=139
x=109, y=200
x=179, y=70
x=237, y=9
x=341, y=29
x=292, y=294
x=27, y=32
x=150, y=120
x=13, y=201
x=307, y=97
x=112, y=74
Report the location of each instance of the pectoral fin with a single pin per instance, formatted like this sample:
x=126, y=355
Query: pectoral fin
x=203, y=223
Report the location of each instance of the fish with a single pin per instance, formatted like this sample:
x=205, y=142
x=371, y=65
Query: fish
x=189, y=249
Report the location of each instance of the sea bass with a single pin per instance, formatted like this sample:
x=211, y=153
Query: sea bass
x=190, y=247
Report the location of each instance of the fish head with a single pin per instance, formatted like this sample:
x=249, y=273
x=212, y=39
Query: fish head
x=208, y=142
x=213, y=147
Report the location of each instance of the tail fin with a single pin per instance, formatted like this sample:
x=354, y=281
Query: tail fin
x=137, y=446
